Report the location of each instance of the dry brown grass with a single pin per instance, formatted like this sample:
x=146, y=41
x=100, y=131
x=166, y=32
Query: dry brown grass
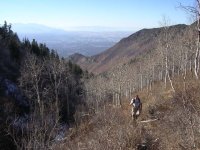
x=112, y=128
x=178, y=114
x=177, y=127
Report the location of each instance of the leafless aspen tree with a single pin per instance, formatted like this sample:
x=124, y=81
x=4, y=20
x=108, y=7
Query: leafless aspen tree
x=196, y=12
x=55, y=70
x=31, y=72
x=165, y=41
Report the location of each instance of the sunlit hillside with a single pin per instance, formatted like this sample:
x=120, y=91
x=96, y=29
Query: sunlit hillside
x=168, y=121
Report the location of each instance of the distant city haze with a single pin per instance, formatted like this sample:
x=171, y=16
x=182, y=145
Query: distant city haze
x=87, y=26
x=90, y=41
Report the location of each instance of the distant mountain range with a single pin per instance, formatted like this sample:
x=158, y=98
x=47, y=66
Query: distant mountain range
x=84, y=40
x=32, y=28
x=126, y=49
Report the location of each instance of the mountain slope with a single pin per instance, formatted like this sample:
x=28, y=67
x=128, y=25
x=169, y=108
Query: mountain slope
x=128, y=48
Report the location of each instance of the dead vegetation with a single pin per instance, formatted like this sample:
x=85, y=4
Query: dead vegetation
x=175, y=123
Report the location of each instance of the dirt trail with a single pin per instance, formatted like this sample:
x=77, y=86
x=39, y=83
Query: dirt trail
x=113, y=127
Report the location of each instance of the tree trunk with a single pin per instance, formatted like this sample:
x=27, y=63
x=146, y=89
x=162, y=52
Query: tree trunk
x=198, y=41
x=173, y=68
x=166, y=70
x=141, y=82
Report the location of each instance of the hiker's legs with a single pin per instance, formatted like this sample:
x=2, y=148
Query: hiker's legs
x=135, y=110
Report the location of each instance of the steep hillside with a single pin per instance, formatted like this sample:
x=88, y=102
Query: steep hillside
x=83, y=61
x=128, y=48
x=168, y=121
x=38, y=91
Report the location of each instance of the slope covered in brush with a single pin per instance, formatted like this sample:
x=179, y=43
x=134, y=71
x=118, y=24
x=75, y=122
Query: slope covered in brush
x=128, y=48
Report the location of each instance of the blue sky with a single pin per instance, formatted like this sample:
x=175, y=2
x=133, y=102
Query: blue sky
x=122, y=14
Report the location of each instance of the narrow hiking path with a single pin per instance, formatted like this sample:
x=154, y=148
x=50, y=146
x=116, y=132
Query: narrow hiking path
x=115, y=125
x=114, y=128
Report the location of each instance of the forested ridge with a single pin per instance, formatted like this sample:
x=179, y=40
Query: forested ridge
x=39, y=92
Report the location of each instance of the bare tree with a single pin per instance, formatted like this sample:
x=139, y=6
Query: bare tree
x=31, y=73
x=165, y=41
x=55, y=70
x=196, y=12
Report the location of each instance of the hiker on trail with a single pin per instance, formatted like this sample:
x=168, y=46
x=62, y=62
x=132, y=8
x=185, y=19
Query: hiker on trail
x=136, y=107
